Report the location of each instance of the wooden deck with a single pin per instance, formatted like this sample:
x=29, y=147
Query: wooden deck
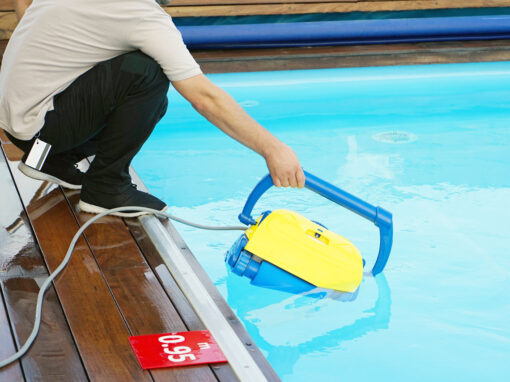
x=113, y=287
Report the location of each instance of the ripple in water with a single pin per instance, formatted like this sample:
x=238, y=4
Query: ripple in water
x=249, y=103
x=396, y=137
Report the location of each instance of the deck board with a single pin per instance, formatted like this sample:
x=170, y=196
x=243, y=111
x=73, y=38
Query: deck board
x=53, y=357
x=7, y=348
x=247, y=60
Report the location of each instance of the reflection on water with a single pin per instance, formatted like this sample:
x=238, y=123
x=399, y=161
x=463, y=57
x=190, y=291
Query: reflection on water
x=332, y=319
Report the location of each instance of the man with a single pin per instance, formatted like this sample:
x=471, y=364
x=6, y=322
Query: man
x=91, y=77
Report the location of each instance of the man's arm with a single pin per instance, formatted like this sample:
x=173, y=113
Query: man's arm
x=21, y=6
x=224, y=112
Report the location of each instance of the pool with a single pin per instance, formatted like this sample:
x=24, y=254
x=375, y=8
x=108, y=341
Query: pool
x=429, y=143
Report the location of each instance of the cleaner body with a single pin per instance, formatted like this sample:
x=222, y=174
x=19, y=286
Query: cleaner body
x=284, y=250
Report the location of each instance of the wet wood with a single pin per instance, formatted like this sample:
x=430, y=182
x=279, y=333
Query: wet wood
x=13, y=371
x=18, y=251
x=135, y=290
x=53, y=355
x=144, y=304
x=96, y=323
x=245, y=60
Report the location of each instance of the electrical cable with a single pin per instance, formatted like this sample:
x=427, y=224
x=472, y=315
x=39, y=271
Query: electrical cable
x=65, y=261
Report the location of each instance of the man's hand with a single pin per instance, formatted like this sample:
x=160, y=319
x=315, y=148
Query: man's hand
x=284, y=166
x=226, y=114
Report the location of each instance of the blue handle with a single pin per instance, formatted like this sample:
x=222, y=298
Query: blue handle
x=379, y=216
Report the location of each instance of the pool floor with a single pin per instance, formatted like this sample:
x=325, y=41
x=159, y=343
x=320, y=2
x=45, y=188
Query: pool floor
x=429, y=143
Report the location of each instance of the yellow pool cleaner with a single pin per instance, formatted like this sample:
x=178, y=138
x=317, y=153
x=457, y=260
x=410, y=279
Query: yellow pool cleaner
x=286, y=251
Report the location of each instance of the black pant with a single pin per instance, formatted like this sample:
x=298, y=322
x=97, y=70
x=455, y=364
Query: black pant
x=109, y=111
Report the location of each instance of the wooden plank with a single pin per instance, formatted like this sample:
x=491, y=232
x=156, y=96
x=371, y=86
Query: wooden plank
x=352, y=56
x=96, y=324
x=53, y=355
x=289, y=5
x=244, y=2
x=13, y=371
x=6, y=5
x=143, y=302
x=18, y=251
x=323, y=7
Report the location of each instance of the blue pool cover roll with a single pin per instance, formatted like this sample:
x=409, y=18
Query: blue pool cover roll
x=347, y=32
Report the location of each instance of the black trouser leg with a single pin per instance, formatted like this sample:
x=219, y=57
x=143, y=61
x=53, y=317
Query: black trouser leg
x=110, y=110
x=140, y=104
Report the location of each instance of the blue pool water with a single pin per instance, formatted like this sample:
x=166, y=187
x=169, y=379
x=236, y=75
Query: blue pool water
x=429, y=143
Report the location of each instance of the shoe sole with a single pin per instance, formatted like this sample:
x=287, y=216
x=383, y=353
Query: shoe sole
x=92, y=209
x=39, y=175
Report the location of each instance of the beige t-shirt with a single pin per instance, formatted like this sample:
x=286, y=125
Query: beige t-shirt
x=58, y=40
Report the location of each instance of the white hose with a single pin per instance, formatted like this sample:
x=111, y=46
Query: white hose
x=63, y=264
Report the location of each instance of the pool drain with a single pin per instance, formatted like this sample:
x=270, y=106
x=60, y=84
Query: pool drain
x=396, y=137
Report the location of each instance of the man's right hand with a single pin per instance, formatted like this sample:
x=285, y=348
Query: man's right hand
x=284, y=166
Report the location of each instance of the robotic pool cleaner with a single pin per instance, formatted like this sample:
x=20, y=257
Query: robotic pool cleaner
x=284, y=250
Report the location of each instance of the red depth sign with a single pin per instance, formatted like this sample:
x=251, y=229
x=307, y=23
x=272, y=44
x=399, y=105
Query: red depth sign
x=176, y=349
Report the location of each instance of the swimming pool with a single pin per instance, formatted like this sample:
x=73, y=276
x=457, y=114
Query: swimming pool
x=431, y=144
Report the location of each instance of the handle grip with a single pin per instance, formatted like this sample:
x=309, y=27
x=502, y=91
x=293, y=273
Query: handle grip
x=377, y=215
